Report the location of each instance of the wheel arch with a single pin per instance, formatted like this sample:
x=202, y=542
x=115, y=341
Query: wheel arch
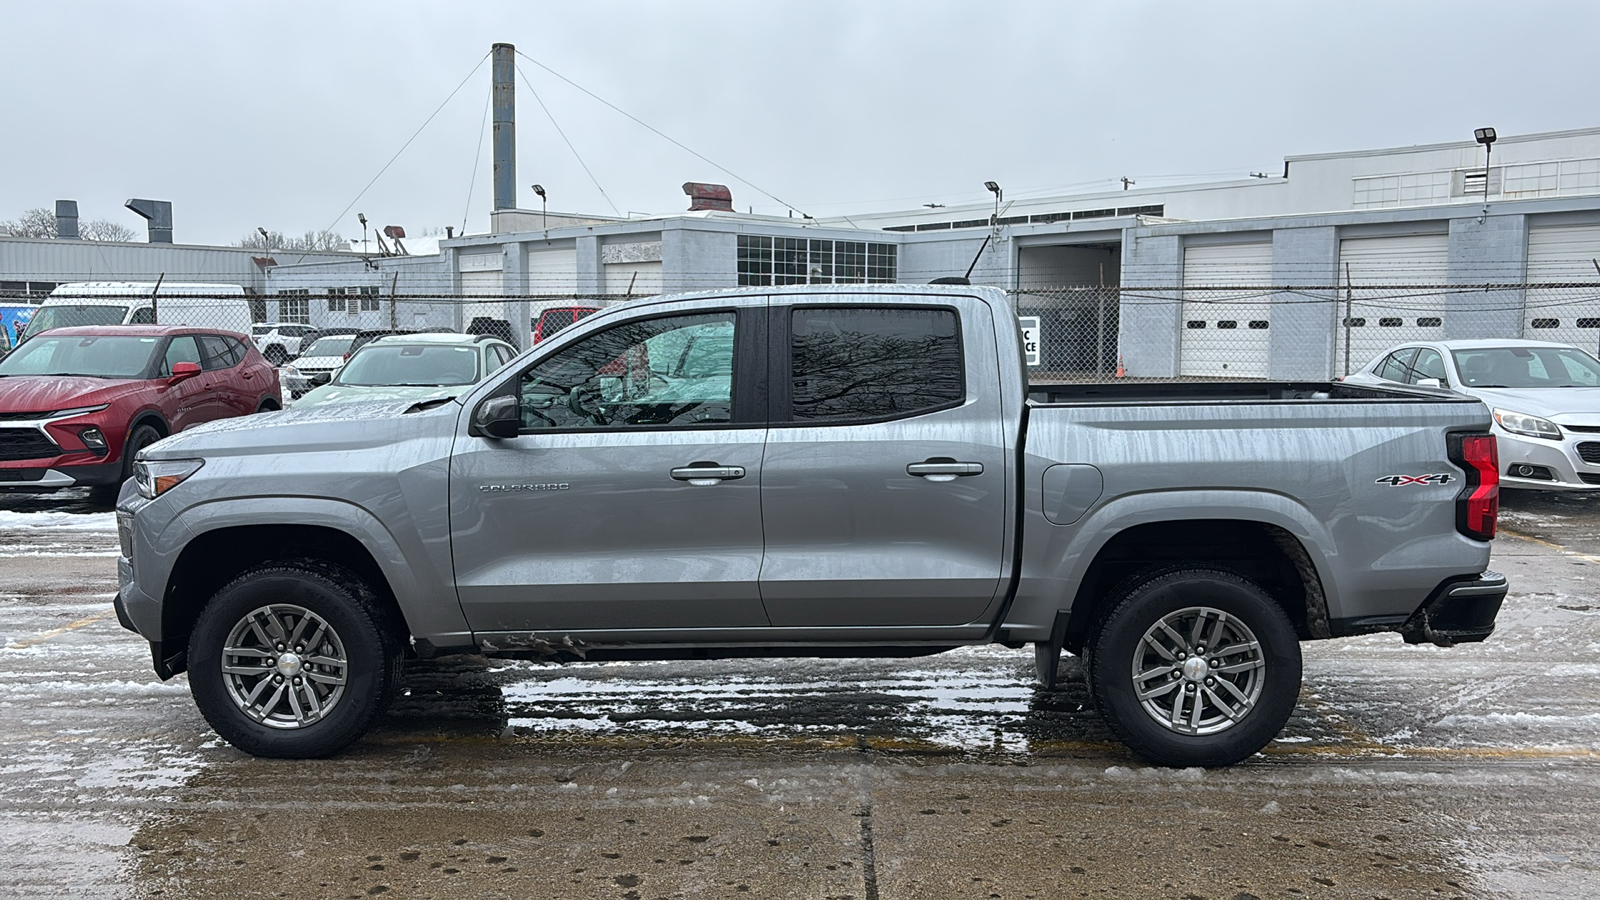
x=214, y=558
x=1266, y=553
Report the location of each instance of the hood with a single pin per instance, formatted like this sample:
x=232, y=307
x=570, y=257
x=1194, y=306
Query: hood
x=349, y=393
x=318, y=363
x=45, y=393
x=333, y=427
x=1577, y=406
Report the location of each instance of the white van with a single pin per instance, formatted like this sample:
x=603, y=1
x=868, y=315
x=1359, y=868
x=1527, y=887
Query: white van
x=220, y=306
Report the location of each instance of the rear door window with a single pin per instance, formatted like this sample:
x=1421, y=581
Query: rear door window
x=1396, y=366
x=860, y=364
x=215, y=353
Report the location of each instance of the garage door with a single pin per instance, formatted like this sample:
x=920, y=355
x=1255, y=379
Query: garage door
x=482, y=283
x=1227, y=310
x=640, y=279
x=1563, y=254
x=1397, y=294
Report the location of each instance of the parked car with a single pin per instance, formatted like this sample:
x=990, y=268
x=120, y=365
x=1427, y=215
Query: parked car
x=323, y=357
x=1545, y=398
x=279, y=343
x=889, y=484
x=76, y=404
x=552, y=320
x=412, y=367
x=218, y=306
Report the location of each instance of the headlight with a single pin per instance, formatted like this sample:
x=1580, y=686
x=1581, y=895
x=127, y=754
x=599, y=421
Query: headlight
x=1531, y=426
x=80, y=411
x=155, y=477
x=291, y=372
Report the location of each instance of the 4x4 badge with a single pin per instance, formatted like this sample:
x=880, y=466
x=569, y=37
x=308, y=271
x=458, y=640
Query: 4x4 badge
x=1403, y=480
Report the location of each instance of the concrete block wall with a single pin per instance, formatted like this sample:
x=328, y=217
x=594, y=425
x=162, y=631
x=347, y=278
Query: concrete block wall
x=1152, y=267
x=694, y=259
x=1491, y=251
x=1301, y=341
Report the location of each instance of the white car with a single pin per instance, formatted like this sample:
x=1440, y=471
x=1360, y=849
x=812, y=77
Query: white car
x=281, y=342
x=413, y=367
x=324, y=357
x=1545, y=398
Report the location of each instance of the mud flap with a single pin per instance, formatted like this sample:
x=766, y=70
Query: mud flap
x=1047, y=655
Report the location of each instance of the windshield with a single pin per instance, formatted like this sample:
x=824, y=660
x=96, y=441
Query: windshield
x=330, y=346
x=410, y=365
x=48, y=317
x=259, y=330
x=95, y=356
x=1527, y=367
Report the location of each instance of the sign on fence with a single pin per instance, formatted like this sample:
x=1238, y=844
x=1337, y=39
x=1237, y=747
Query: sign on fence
x=1030, y=338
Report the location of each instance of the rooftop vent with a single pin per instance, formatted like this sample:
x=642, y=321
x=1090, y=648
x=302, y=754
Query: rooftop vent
x=708, y=196
x=158, y=218
x=67, y=220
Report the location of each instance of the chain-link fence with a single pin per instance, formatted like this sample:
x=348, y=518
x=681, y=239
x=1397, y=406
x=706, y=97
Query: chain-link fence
x=1073, y=334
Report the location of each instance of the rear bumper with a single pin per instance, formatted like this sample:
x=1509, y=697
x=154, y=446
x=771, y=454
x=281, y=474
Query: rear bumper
x=1459, y=612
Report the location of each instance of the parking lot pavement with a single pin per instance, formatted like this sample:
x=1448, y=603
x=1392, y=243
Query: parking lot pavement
x=1405, y=772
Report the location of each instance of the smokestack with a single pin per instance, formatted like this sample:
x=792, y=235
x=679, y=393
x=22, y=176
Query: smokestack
x=158, y=218
x=505, y=127
x=67, y=220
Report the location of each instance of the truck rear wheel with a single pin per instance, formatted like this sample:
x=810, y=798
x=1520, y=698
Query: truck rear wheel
x=1194, y=667
x=292, y=661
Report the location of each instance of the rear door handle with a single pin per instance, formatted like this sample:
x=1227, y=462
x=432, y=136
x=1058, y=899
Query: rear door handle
x=706, y=474
x=944, y=469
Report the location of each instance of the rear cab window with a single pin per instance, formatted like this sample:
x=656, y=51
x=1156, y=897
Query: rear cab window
x=858, y=364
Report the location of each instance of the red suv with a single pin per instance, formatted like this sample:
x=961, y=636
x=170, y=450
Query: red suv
x=76, y=404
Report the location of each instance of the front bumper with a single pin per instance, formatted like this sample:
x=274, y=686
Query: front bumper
x=1459, y=612
x=1558, y=465
x=41, y=479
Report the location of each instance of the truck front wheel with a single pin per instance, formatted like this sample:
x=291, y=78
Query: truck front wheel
x=292, y=661
x=1194, y=667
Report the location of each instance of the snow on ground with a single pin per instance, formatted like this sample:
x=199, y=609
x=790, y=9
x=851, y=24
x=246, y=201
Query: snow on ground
x=59, y=521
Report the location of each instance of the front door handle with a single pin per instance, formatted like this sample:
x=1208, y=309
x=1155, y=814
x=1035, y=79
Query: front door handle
x=944, y=469
x=707, y=474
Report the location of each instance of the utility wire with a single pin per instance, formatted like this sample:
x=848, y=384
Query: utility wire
x=564, y=137
x=403, y=147
x=477, y=157
x=657, y=132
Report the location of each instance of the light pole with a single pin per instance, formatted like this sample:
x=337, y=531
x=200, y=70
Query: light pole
x=544, y=209
x=994, y=188
x=1485, y=137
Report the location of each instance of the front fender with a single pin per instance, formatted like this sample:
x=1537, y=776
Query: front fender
x=416, y=568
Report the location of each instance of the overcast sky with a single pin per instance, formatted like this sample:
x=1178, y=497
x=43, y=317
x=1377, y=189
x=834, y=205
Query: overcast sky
x=278, y=114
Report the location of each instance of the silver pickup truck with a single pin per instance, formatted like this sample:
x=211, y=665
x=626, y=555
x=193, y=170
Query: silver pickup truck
x=845, y=470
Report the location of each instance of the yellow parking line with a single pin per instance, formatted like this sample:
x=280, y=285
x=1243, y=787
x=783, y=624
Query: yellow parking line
x=39, y=639
x=1557, y=547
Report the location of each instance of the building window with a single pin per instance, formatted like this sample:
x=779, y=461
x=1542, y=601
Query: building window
x=335, y=299
x=295, y=306
x=1402, y=190
x=780, y=260
x=369, y=299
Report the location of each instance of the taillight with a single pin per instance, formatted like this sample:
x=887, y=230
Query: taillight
x=1478, y=504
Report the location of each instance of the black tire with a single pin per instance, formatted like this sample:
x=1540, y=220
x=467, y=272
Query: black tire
x=284, y=725
x=1242, y=703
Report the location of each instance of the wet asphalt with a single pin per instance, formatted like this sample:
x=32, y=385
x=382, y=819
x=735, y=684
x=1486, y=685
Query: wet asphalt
x=1405, y=772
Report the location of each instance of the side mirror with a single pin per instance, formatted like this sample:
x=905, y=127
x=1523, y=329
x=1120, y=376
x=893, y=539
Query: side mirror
x=183, y=371
x=498, y=418
x=321, y=378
